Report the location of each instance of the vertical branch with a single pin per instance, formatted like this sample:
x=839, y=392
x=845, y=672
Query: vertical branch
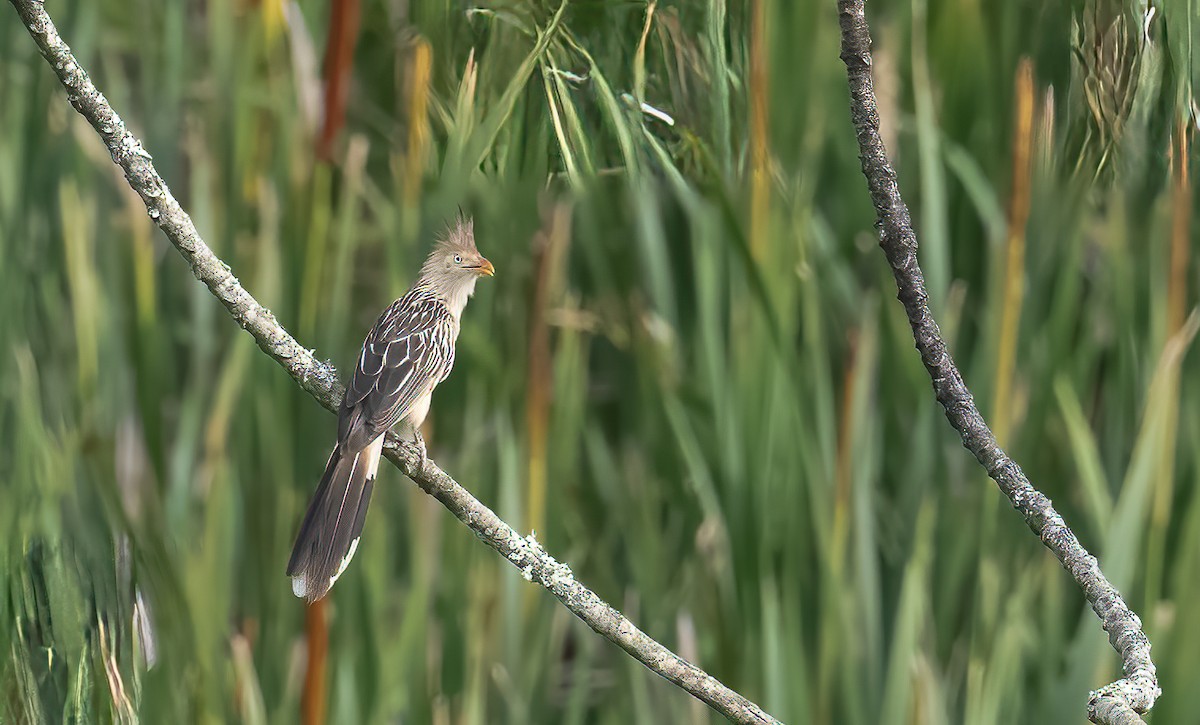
x=420, y=71
x=1177, y=292
x=760, y=171
x=316, y=634
x=1014, y=268
x=339, y=61
x=548, y=247
x=1181, y=227
x=1120, y=701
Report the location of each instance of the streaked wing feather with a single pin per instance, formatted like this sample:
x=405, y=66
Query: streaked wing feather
x=409, y=349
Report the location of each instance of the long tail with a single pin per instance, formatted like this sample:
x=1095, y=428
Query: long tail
x=331, y=528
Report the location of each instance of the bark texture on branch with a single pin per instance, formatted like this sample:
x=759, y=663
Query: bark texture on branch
x=320, y=380
x=1135, y=693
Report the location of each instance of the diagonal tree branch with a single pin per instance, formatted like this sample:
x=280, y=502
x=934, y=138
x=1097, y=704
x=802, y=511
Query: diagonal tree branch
x=320, y=380
x=1119, y=702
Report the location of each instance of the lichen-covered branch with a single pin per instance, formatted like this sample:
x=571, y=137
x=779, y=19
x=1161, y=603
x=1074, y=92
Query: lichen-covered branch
x=1136, y=692
x=320, y=380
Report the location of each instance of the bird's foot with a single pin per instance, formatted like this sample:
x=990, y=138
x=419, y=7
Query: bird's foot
x=422, y=453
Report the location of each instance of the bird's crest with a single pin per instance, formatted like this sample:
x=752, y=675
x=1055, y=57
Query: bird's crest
x=459, y=235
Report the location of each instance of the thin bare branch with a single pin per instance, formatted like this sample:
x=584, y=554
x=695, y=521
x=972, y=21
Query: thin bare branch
x=1120, y=702
x=320, y=380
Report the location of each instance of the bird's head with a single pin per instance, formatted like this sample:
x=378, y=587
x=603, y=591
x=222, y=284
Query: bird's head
x=455, y=265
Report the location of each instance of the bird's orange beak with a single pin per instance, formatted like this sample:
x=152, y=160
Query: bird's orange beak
x=485, y=268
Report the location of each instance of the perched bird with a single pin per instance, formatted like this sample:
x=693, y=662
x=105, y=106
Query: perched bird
x=406, y=354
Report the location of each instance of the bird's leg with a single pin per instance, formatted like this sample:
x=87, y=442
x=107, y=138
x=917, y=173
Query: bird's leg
x=419, y=442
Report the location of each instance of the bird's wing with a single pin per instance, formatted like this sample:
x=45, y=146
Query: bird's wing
x=408, y=351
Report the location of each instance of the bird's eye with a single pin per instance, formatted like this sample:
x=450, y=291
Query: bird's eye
x=458, y=259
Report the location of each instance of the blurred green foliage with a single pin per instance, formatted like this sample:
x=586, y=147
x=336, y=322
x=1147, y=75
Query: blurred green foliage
x=726, y=431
